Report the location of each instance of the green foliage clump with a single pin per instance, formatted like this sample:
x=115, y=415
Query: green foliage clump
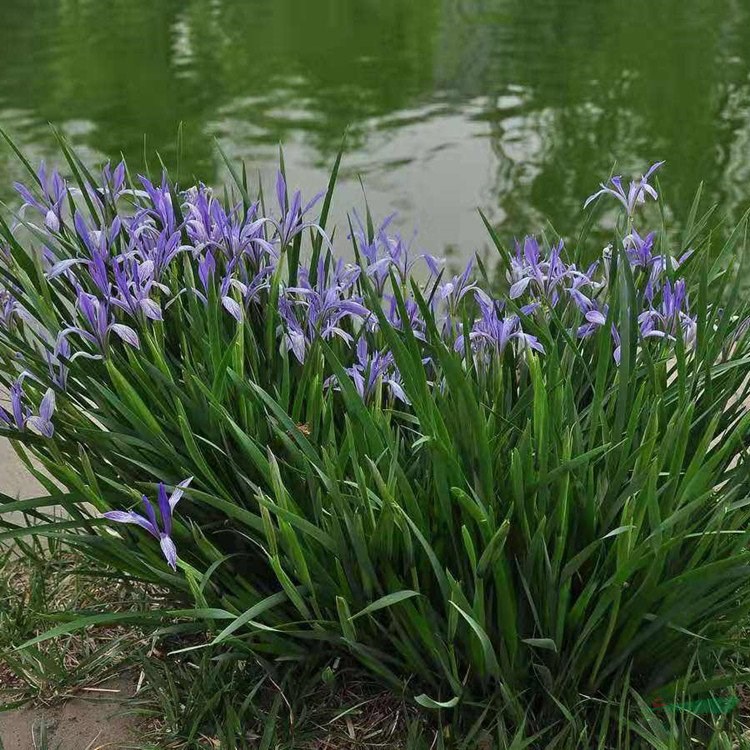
x=529, y=532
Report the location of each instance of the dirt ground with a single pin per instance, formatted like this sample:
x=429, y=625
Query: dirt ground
x=90, y=720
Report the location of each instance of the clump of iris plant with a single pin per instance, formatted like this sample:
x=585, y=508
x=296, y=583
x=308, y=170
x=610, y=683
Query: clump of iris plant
x=128, y=266
x=497, y=488
x=127, y=272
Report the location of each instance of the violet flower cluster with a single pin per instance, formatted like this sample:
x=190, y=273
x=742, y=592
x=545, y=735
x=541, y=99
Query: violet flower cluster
x=136, y=249
x=540, y=282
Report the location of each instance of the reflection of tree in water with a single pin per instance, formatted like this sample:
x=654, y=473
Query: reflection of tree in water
x=563, y=88
x=320, y=67
x=289, y=66
x=108, y=66
x=570, y=88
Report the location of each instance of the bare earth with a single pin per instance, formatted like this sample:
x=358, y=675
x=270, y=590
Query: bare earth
x=89, y=721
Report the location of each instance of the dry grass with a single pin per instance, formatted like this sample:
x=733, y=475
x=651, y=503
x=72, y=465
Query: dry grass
x=347, y=713
x=34, y=590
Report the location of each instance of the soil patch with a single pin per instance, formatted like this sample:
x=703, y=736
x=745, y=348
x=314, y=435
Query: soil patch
x=92, y=720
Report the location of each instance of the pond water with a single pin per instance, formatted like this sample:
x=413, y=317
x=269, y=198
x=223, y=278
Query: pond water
x=518, y=107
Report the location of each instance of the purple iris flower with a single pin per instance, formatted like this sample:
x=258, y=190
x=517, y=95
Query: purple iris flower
x=636, y=194
x=199, y=221
x=458, y=287
x=413, y=320
x=367, y=248
x=580, y=282
x=389, y=251
x=452, y=293
x=342, y=275
x=228, y=302
x=371, y=369
x=493, y=332
x=251, y=289
x=97, y=240
x=324, y=308
x=150, y=523
x=206, y=272
x=639, y=249
x=397, y=255
x=160, y=205
x=640, y=254
x=199, y=217
x=110, y=185
x=97, y=267
x=323, y=313
x=157, y=248
x=54, y=191
x=595, y=316
x=292, y=221
x=99, y=272
x=208, y=225
x=294, y=337
x=134, y=282
x=371, y=249
x=240, y=235
x=42, y=422
x=99, y=324
x=617, y=352
x=113, y=180
x=541, y=276
x=20, y=415
x=660, y=264
x=671, y=317
x=98, y=244
x=206, y=269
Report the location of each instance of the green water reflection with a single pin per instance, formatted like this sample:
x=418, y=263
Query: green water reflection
x=515, y=106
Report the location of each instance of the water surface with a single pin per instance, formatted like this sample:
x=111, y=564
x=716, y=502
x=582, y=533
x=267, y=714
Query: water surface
x=515, y=106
